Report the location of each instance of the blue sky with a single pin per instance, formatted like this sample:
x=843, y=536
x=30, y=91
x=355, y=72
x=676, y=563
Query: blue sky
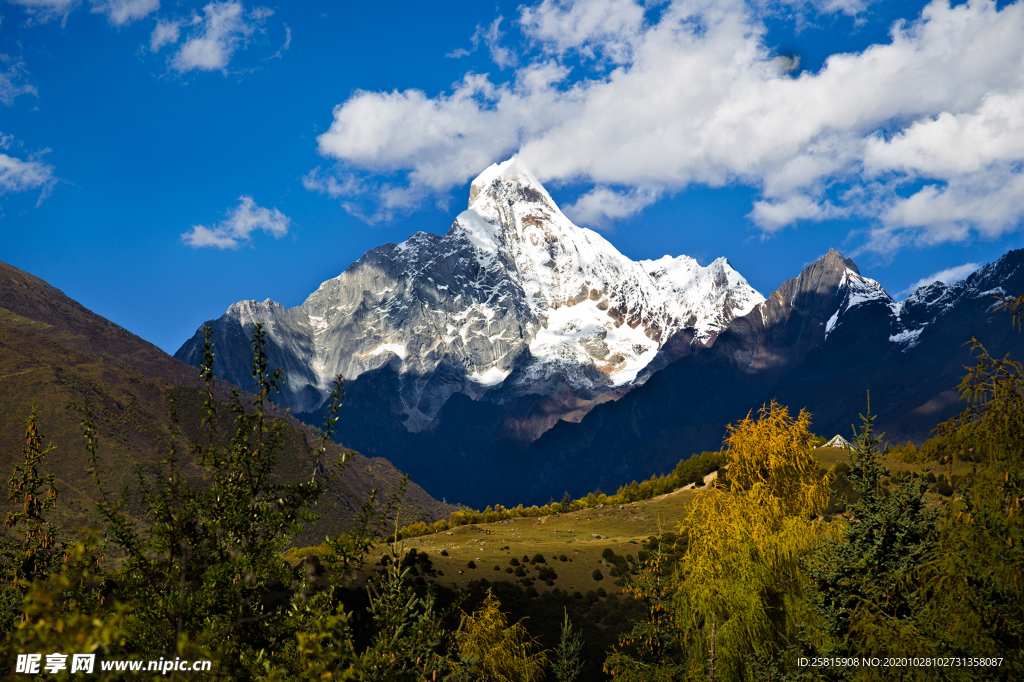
x=161, y=160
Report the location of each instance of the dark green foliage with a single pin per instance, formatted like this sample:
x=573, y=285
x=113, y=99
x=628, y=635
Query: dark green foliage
x=408, y=632
x=513, y=561
x=671, y=547
x=537, y=559
x=198, y=575
x=653, y=649
x=858, y=572
x=471, y=564
x=597, y=575
x=567, y=663
x=546, y=573
x=973, y=577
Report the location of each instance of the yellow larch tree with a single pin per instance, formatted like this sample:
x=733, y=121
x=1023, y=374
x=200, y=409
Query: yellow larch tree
x=740, y=596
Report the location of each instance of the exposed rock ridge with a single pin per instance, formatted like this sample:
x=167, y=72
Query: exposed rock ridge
x=513, y=300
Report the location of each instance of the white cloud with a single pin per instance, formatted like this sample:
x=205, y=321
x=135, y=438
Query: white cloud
x=44, y=10
x=287, y=44
x=124, y=12
x=17, y=175
x=491, y=36
x=601, y=206
x=11, y=74
x=240, y=223
x=165, y=33
x=772, y=216
x=947, y=276
x=223, y=26
x=950, y=146
x=695, y=96
x=606, y=28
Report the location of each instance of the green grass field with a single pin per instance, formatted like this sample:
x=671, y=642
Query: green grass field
x=580, y=536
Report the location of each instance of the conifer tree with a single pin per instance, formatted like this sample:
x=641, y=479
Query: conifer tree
x=197, y=576
x=567, y=663
x=973, y=577
x=40, y=550
x=866, y=606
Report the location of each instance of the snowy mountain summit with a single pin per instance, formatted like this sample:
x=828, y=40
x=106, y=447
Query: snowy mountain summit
x=514, y=300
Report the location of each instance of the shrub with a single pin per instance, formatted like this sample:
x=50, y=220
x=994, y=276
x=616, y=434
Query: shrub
x=471, y=564
x=546, y=573
x=597, y=575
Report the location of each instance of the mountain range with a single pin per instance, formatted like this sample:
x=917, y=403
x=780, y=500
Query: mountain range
x=519, y=355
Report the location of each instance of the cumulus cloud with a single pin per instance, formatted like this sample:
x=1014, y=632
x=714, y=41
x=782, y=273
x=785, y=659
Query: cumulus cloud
x=17, y=175
x=219, y=32
x=44, y=10
x=12, y=75
x=242, y=221
x=692, y=94
x=947, y=276
x=124, y=12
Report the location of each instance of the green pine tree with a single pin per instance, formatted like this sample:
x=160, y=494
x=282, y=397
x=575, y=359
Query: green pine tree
x=858, y=571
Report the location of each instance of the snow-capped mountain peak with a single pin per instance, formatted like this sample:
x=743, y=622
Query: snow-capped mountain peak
x=515, y=298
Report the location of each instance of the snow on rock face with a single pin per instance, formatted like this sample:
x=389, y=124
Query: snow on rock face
x=856, y=290
x=909, y=318
x=513, y=285
x=596, y=307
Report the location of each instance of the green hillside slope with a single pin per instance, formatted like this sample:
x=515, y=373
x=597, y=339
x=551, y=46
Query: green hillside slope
x=54, y=353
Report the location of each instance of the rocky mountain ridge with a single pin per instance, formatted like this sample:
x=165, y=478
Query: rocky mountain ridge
x=513, y=301
x=518, y=355
x=820, y=342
